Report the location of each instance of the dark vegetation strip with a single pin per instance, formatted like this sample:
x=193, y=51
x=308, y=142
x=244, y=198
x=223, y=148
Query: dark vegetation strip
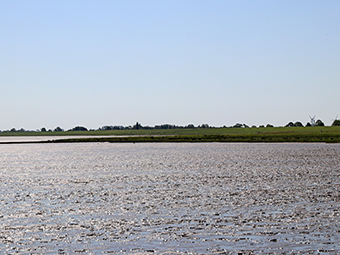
x=215, y=138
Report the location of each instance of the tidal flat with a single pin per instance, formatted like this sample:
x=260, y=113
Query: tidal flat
x=170, y=198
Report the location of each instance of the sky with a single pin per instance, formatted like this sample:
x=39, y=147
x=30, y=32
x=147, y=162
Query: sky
x=94, y=63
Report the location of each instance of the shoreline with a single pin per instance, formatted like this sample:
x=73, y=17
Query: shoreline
x=246, y=138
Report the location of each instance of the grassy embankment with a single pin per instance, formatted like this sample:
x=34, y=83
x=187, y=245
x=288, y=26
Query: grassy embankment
x=274, y=134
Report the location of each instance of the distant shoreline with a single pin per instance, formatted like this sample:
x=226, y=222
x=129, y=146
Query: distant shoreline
x=248, y=135
x=238, y=138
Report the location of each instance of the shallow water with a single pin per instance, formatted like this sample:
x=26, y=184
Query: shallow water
x=169, y=198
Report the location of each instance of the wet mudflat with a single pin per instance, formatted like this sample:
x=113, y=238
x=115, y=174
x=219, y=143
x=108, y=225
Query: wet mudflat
x=170, y=198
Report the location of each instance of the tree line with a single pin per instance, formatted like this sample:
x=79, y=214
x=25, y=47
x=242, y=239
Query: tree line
x=139, y=126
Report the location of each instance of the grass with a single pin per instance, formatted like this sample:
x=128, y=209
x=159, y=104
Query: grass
x=264, y=134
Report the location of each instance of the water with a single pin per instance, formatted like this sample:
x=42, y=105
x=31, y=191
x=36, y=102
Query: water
x=169, y=198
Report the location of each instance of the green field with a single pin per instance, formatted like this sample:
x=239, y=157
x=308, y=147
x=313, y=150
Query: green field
x=263, y=134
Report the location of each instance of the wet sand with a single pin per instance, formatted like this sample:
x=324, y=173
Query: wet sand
x=170, y=198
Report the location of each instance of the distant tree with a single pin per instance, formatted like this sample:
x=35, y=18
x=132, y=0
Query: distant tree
x=79, y=128
x=336, y=123
x=204, y=126
x=253, y=126
x=13, y=130
x=43, y=130
x=237, y=125
x=319, y=123
x=269, y=125
x=164, y=126
x=290, y=124
x=308, y=124
x=137, y=126
x=190, y=126
x=106, y=128
x=298, y=124
x=58, y=129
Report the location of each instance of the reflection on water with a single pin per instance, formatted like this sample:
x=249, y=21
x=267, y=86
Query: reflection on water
x=169, y=198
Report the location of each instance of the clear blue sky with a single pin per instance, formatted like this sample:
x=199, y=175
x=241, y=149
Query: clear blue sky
x=94, y=63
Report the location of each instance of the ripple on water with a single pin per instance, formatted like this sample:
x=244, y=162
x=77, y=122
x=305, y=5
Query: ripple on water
x=169, y=198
